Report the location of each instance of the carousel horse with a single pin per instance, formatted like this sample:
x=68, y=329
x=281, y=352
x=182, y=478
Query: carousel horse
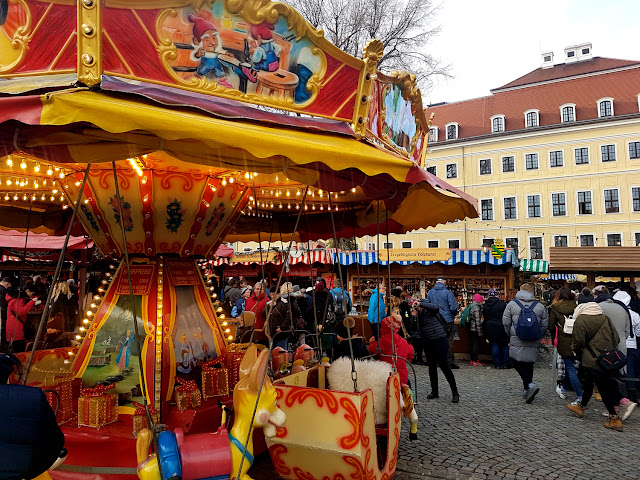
x=216, y=449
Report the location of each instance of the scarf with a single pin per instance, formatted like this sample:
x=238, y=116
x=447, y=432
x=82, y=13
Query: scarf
x=589, y=308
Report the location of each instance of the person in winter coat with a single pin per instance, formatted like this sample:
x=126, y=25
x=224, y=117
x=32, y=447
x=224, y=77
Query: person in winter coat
x=435, y=337
x=585, y=296
x=475, y=330
x=17, y=309
x=524, y=353
x=446, y=301
x=377, y=309
x=593, y=333
x=344, y=331
x=283, y=315
x=617, y=312
x=239, y=307
x=256, y=304
x=492, y=311
x=632, y=350
x=409, y=315
x=231, y=293
x=558, y=313
x=387, y=346
x=5, y=285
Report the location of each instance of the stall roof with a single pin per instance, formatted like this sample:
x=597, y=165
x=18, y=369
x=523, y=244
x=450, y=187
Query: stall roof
x=308, y=257
x=594, y=259
x=469, y=257
x=15, y=240
x=534, y=266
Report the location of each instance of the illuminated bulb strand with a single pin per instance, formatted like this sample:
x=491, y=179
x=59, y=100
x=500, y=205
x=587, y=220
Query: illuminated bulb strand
x=95, y=304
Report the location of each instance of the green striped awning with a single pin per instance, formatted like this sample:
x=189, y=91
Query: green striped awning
x=534, y=266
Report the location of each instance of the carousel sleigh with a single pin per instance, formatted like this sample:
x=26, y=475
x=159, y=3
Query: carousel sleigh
x=333, y=434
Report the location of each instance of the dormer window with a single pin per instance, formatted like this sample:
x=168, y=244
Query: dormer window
x=452, y=130
x=497, y=123
x=433, y=134
x=568, y=111
x=605, y=107
x=531, y=118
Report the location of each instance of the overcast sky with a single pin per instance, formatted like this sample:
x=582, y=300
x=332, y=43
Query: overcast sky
x=489, y=43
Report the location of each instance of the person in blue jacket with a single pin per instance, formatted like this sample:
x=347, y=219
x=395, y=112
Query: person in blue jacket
x=446, y=301
x=377, y=309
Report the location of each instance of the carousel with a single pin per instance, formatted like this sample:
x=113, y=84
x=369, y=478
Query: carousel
x=159, y=129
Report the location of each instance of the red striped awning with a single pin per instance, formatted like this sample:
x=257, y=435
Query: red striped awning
x=308, y=257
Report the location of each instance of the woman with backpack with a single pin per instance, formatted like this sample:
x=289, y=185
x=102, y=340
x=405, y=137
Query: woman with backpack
x=561, y=315
x=492, y=311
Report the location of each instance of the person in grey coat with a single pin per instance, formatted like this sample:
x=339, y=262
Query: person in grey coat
x=524, y=353
x=617, y=312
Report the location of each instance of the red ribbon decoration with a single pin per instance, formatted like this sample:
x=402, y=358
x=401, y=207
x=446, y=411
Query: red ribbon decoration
x=186, y=385
x=141, y=411
x=97, y=390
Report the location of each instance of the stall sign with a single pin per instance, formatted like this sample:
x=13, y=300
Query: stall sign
x=415, y=255
x=302, y=271
x=255, y=257
x=182, y=272
x=141, y=278
x=240, y=272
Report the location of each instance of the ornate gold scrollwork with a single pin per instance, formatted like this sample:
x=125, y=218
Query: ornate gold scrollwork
x=13, y=51
x=371, y=55
x=90, y=42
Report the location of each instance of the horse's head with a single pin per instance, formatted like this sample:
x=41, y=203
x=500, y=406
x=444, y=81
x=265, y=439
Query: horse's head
x=268, y=415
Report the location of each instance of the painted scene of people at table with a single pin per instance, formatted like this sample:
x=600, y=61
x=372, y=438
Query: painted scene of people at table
x=265, y=58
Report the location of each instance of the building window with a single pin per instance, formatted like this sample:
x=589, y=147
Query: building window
x=487, y=242
x=531, y=161
x=485, y=166
x=533, y=206
x=452, y=170
x=511, y=242
x=611, y=201
x=568, y=113
x=370, y=246
x=535, y=247
x=559, y=204
x=637, y=239
x=556, y=158
x=586, y=241
x=452, y=131
x=585, y=206
x=433, y=134
x=432, y=170
x=635, y=199
x=508, y=164
x=487, y=209
x=510, y=209
x=433, y=243
x=531, y=119
x=560, y=241
x=634, y=149
x=387, y=245
x=581, y=155
x=614, y=239
x=497, y=123
x=454, y=243
x=608, y=153
x=408, y=244
x=605, y=107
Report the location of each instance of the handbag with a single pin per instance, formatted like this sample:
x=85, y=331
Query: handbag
x=610, y=360
x=568, y=324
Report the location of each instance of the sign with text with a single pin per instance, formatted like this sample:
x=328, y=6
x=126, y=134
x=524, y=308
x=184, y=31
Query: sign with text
x=182, y=272
x=415, y=255
x=141, y=278
x=255, y=257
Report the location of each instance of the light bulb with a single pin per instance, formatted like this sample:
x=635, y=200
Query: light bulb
x=353, y=190
x=78, y=337
x=37, y=168
x=9, y=161
x=23, y=164
x=85, y=320
x=49, y=171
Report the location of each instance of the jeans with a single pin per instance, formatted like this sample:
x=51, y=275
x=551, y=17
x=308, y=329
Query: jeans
x=632, y=372
x=571, y=372
x=525, y=370
x=606, y=386
x=436, y=351
x=280, y=341
x=474, y=341
x=375, y=328
x=500, y=352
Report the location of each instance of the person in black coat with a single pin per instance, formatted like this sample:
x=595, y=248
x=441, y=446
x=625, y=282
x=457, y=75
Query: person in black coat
x=433, y=330
x=492, y=311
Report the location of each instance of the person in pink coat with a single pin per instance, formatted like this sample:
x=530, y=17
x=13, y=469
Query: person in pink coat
x=17, y=310
x=402, y=347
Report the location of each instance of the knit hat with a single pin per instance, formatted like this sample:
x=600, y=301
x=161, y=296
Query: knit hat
x=386, y=323
x=244, y=289
x=200, y=26
x=492, y=292
x=440, y=278
x=396, y=292
x=263, y=30
x=478, y=298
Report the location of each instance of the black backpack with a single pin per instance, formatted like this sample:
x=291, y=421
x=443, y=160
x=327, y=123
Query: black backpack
x=338, y=305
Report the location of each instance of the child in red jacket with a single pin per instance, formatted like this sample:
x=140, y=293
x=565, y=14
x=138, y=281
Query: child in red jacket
x=402, y=347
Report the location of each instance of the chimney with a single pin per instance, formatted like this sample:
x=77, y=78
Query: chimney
x=547, y=60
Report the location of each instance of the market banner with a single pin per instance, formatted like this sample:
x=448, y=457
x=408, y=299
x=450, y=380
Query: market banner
x=534, y=266
x=414, y=254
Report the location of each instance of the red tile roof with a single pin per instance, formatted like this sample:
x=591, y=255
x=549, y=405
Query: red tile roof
x=473, y=116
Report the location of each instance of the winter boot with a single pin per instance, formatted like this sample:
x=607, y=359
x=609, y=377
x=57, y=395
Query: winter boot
x=614, y=423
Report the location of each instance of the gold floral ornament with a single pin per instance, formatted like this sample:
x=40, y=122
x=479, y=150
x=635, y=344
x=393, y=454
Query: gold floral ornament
x=371, y=54
x=13, y=49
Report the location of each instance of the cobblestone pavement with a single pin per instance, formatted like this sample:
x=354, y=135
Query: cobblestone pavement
x=493, y=434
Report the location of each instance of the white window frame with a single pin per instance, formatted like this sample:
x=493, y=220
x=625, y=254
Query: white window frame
x=515, y=166
x=631, y=198
x=532, y=110
x=493, y=208
x=452, y=240
x=446, y=171
x=578, y=203
x=529, y=237
x=588, y=153
x=604, y=201
x=566, y=204
x=615, y=151
x=384, y=245
x=606, y=239
x=595, y=238
x=406, y=241
x=605, y=99
x=560, y=235
x=446, y=131
x=490, y=165
x=638, y=97
x=629, y=150
x=504, y=125
x=370, y=246
x=434, y=129
x=433, y=240
x=527, y=204
x=563, y=157
x=503, y=211
x=562, y=107
x=525, y=160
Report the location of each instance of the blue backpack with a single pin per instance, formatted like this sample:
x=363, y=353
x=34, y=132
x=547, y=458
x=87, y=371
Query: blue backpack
x=528, y=326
